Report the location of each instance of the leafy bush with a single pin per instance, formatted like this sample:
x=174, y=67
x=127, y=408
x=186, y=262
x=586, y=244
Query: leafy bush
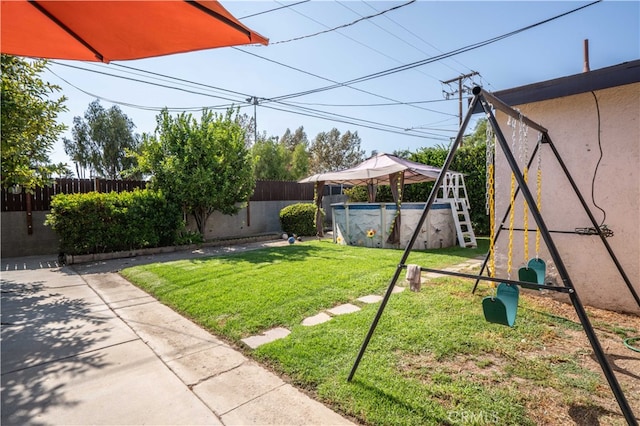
x=104, y=222
x=186, y=237
x=299, y=219
x=470, y=159
x=360, y=194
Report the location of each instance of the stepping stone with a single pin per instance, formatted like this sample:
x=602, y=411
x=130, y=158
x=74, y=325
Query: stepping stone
x=347, y=308
x=316, y=319
x=397, y=289
x=266, y=337
x=372, y=298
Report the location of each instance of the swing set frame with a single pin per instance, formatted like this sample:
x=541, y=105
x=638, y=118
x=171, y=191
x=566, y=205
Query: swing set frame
x=488, y=102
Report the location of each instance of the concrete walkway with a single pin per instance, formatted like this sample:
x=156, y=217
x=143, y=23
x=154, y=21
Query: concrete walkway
x=80, y=345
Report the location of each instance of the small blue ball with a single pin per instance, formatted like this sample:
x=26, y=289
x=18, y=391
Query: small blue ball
x=291, y=240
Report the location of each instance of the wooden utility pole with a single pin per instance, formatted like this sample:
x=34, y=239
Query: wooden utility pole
x=254, y=100
x=459, y=79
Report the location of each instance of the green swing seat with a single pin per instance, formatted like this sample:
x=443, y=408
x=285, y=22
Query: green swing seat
x=502, y=308
x=534, y=272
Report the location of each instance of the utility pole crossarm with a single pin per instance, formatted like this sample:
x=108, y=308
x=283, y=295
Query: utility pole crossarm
x=460, y=79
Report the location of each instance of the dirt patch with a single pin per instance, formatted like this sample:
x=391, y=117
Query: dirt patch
x=611, y=329
x=559, y=381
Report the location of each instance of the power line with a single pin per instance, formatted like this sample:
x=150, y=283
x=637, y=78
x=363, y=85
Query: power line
x=145, y=82
x=360, y=120
x=194, y=83
x=337, y=83
x=347, y=37
x=309, y=112
x=392, y=35
x=323, y=114
x=364, y=18
x=370, y=104
x=361, y=125
x=419, y=38
x=434, y=58
x=137, y=106
x=273, y=10
x=181, y=79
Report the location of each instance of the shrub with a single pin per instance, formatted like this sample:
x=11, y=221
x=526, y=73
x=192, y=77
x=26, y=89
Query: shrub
x=186, y=237
x=104, y=222
x=356, y=194
x=360, y=194
x=299, y=219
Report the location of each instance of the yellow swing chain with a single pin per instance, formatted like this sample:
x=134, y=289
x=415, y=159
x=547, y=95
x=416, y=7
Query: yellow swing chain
x=490, y=200
x=512, y=196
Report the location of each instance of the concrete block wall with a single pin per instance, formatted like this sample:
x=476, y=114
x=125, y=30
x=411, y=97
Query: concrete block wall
x=259, y=218
x=16, y=241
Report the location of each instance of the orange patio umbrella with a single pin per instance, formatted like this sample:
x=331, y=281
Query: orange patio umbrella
x=104, y=31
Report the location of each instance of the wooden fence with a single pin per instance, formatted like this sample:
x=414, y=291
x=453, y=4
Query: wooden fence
x=40, y=200
x=274, y=190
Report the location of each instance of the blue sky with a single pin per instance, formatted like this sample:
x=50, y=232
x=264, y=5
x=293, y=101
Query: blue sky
x=379, y=109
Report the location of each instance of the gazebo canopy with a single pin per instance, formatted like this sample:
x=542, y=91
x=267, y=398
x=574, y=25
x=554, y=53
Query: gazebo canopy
x=382, y=169
x=377, y=170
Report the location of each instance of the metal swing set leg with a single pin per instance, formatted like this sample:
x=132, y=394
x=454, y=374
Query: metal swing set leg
x=483, y=97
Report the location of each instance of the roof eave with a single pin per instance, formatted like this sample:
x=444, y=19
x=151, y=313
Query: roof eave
x=603, y=78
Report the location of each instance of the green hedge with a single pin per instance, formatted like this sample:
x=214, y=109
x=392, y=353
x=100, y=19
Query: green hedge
x=106, y=222
x=299, y=219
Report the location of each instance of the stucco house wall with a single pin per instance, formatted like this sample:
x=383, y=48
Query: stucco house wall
x=581, y=126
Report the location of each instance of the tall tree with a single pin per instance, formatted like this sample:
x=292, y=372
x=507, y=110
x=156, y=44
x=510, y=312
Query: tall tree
x=332, y=151
x=292, y=140
x=101, y=141
x=270, y=160
x=300, y=163
x=204, y=166
x=297, y=145
x=79, y=149
x=28, y=124
x=286, y=158
x=247, y=123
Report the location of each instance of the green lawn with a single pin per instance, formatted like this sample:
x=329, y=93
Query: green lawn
x=433, y=359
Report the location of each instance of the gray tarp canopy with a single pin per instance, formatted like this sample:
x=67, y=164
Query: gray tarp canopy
x=376, y=171
x=382, y=169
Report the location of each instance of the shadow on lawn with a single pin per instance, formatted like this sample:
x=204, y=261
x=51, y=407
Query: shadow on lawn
x=613, y=361
x=588, y=415
x=378, y=394
x=291, y=253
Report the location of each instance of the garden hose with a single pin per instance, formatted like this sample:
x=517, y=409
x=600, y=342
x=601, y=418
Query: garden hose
x=627, y=343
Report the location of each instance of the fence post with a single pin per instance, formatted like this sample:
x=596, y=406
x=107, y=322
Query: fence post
x=29, y=214
x=248, y=212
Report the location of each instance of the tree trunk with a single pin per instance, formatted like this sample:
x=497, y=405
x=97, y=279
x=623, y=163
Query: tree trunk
x=201, y=216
